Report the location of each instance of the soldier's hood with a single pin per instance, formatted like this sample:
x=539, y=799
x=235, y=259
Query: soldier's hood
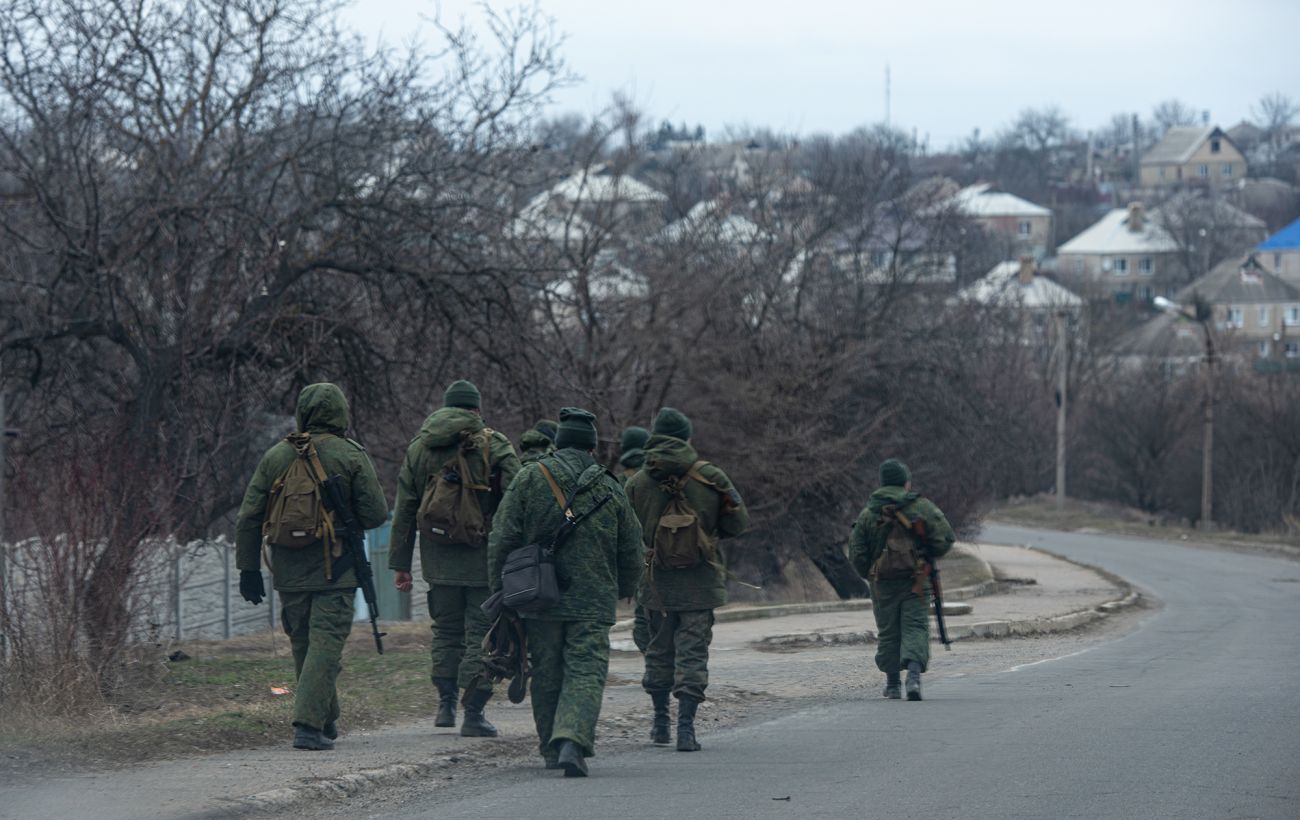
x=668, y=457
x=890, y=495
x=322, y=408
x=443, y=428
x=633, y=459
x=535, y=439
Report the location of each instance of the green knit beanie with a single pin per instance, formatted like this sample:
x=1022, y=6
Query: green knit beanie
x=673, y=423
x=547, y=428
x=894, y=473
x=462, y=394
x=634, y=438
x=577, y=429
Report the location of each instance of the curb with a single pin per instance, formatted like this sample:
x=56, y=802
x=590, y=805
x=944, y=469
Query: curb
x=984, y=629
x=754, y=613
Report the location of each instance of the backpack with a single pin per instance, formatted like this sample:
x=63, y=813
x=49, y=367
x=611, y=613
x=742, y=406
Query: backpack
x=680, y=541
x=449, y=512
x=899, y=557
x=295, y=513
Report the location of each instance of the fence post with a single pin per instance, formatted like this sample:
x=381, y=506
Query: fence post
x=225, y=591
x=178, y=609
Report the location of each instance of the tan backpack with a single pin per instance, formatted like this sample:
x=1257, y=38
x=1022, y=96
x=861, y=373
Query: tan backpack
x=295, y=515
x=900, y=557
x=680, y=541
x=450, y=513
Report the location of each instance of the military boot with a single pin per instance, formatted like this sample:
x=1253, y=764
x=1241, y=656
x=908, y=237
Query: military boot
x=446, y=702
x=686, y=725
x=474, y=724
x=913, y=680
x=330, y=730
x=305, y=737
x=893, y=686
x=571, y=759
x=661, y=731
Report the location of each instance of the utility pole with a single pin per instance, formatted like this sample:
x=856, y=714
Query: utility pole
x=1062, y=367
x=1207, y=444
x=886, y=95
x=4, y=550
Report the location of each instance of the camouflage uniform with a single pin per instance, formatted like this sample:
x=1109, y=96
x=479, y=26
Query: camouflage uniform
x=568, y=644
x=680, y=602
x=902, y=616
x=457, y=575
x=316, y=610
x=534, y=444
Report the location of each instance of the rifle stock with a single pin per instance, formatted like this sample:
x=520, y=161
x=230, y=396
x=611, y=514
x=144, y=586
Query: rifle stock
x=355, y=550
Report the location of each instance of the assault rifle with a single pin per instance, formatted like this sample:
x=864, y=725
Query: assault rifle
x=354, y=550
x=926, y=566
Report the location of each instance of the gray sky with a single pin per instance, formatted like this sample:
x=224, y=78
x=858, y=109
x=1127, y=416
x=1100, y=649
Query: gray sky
x=809, y=66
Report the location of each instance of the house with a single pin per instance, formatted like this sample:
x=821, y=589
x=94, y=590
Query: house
x=1253, y=314
x=1025, y=227
x=711, y=222
x=602, y=197
x=1193, y=156
x=1280, y=253
x=1120, y=255
x=1020, y=285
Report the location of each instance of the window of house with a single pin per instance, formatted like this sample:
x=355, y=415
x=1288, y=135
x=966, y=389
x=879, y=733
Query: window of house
x=1293, y=315
x=1235, y=317
x=1146, y=293
x=1162, y=172
x=1227, y=169
x=1293, y=350
x=1262, y=312
x=1146, y=265
x=1080, y=266
x=1121, y=265
x=1024, y=228
x=1214, y=146
x=1264, y=349
x=1203, y=170
x=1277, y=262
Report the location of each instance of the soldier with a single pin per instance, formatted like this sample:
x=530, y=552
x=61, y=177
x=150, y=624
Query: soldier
x=686, y=577
x=632, y=456
x=316, y=589
x=889, y=555
x=568, y=644
x=452, y=456
x=537, y=442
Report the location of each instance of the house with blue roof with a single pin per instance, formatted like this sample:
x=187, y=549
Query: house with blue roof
x=1280, y=253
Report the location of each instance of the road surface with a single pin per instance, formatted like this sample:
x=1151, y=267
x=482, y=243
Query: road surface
x=1194, y=714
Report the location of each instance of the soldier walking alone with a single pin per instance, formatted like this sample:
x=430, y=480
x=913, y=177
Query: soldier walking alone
x=282, y=506
x=893, y=538
x=685, y=507
x=454, y=475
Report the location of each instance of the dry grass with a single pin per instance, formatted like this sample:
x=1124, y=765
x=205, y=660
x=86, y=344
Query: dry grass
x=221, y=698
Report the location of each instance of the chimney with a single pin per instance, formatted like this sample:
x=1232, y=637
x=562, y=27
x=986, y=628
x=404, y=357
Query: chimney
x=1136, y=217
x=1026, y=274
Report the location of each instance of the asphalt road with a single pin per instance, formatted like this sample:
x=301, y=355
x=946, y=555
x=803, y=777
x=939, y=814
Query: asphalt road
x=1194, y=714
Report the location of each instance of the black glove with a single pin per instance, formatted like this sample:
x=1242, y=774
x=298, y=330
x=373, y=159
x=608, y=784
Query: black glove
x=251, y=588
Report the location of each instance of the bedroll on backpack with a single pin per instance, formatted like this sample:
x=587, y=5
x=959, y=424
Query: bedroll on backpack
x=899, y=558
x=449, y=512
x=680, y=541
x=295, y=515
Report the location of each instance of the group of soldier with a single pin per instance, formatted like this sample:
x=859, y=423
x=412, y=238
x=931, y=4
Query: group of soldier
x=628, y=545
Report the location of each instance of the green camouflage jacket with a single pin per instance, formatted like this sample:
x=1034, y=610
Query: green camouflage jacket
x=323, y=412
x=432, y=448
x=601, y=561
x=722, y=514
x=533, y=445
x=869, y=534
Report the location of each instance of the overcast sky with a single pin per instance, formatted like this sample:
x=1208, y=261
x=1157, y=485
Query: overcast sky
x=808, y=66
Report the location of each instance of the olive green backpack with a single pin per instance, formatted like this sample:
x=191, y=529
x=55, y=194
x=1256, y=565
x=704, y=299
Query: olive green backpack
x=899, y=556
x=680, y=541
x=296, y=516
x=449, y=512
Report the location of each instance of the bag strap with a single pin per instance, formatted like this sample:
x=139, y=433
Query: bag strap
x=559, y=494
x=307, y=450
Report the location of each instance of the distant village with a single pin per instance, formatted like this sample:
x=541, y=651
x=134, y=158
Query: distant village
x=1130, y=234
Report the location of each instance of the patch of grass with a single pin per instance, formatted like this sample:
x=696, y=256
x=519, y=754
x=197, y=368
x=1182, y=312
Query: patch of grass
x=221, y=698
x=1041, y=511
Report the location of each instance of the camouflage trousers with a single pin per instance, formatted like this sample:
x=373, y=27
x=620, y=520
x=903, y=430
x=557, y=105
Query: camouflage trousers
x=570, y=661
x=640, y=628
x=318, y=624
x=902, y=625
x=458, y=629
x=677, y=654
